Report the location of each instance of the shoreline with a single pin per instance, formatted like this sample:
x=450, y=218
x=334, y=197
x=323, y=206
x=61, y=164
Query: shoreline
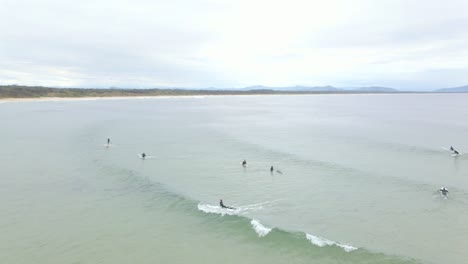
x=200, y=96
x=88, y=98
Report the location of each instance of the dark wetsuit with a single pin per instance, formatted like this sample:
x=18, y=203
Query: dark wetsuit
x=223, y=206
x=108, y=141
x=271, y=169
x=444, y=191
x=143, y=155
x=456, y=152
x=244, y=163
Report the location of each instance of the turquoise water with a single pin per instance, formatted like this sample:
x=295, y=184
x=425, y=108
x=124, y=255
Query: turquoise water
x=359, y=180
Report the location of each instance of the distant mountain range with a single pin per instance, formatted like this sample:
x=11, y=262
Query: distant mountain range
x=461, y=89
x=328, y=88
x=366, y=89
x=376, y=89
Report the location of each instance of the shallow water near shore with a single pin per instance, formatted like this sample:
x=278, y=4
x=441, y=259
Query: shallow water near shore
x=358, y=182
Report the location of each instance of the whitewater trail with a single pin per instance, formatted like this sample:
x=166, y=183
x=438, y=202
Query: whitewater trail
x=263, y=230
x=214, y=209
x=239, y=210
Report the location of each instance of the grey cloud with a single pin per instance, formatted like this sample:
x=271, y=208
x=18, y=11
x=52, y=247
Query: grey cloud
x=149, y=43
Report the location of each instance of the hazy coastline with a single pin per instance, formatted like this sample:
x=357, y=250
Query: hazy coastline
x=22, y=93
x=110, y=97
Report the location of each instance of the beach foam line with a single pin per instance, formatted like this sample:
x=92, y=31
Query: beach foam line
x=259, y=228
x=322, y=242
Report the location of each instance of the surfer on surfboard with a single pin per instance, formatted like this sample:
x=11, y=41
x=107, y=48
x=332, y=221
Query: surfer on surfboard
x=143, y=155
x=455, y=152
x=224, y=206
x=244, y=163
x=108, y=141
x=444, y=191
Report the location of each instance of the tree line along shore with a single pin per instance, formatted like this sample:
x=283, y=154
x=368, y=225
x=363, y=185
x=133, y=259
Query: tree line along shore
x=17, y=91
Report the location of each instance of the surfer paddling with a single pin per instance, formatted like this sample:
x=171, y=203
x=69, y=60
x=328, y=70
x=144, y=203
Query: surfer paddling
x=224, y=206
x=143, y=155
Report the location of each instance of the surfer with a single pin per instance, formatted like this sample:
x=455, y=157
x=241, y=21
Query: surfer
x=108, y=141
x=244, y=163
x=143, y=155
x=456, y=152
x=224, y=206
x=443, y=191
x=451, y=148
x=271, y=169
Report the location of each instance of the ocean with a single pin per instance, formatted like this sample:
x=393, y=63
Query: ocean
x=355, y=179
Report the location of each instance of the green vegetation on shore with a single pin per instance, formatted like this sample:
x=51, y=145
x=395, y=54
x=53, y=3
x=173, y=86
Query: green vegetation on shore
x=17, y=91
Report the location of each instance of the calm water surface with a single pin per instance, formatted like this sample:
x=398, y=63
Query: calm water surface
x=357, y=181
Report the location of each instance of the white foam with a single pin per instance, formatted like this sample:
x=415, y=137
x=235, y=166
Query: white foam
x=212, y=209
x=322, y=242
x=240, y=210
x=259, y=228
x=257, y=206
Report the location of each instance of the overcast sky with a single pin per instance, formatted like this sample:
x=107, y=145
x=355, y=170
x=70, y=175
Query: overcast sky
x=406, y=44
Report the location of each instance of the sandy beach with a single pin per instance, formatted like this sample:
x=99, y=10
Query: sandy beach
x=54, y=99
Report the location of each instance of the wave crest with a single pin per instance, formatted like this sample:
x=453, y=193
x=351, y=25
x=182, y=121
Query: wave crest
x=322, y=242
x=259, y=228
